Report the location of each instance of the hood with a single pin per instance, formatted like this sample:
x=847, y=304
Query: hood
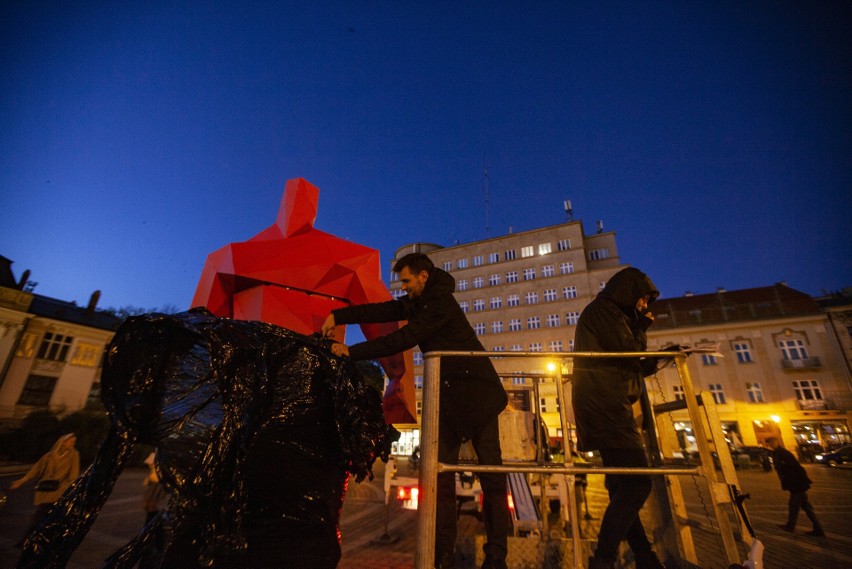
x=439, y=282
x=627, y=286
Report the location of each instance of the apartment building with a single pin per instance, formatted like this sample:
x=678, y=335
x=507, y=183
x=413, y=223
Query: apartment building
x=781, y=373
x=50, y=350
x=523, y=292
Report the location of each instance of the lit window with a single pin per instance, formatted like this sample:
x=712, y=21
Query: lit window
x=553, y=320
x=529, y=274
x=743, y=352
x=563, y=244
x=556, y=345
x=535, y=346
x=479, y=304
x=807, y=390
x=571, y=318
x=493, y=280
x=461, y=263
x=718, y=393
x=479, y=328
x=509, y=255
x=477, y=261
x=547, y=271
x=515, y=325
x=513, y=300
x=569, y=292
x=533, y=322
x=549, y=295
x=512, y=277
x=527, y=251
x=493, y=257
x=566, y=268
x=496, y=327
x=478, y=282
x=544, y=248
x=496, y=302
x=599, y=254
x=531, y=297
x=462, y=284
x=755, y=393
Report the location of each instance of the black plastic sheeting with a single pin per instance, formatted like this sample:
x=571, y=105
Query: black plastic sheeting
x=257, y=430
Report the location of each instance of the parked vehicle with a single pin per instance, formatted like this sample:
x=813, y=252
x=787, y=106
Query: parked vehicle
x=837, y=456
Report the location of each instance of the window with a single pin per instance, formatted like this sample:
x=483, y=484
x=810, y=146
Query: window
x=527, y=251
x=542, y=405
x=549, y=294
x=513, y=300
x=807, y=390
x=493, y=257
x=448, y=266
x=512, y=277
x=37, y=390
x=743, y=352
x=515, y=325
x=547, y=271
x=571, y=318
x=531, y=297
x=517, y=348
x=86, y=355
x=477, y=261
x=461, y=263
x=493, y=280
x=54, y=347
x=397, y=294
x=394, y=277
x=419, y=406
x=509, y=255
x=708, y=359
x=563, y=244
x=535, y=346
x=566, y=268
x=479, y=328
x=718, y=393
x=678, y=393
x=464, y=306
x=418, y=382
x=553, y=320
x=462, y=285
x=478, y=282
x=569, y=292
x=479, y=304
x=498, y=349
x=755, y=393
x=496, y=327
x=533, y=322
x=793, y=349
x=529, y=274
x=570, y=345
x=519, y=380
x=417, y=356
x=496, y=302
x=544, y=248
x=599, y=254
x=556, y=345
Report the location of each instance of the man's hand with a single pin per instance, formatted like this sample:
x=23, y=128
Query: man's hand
x=328, y=326
x=340, y=349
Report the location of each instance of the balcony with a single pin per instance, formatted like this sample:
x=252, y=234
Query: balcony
x=812, y=404
x=806, y=363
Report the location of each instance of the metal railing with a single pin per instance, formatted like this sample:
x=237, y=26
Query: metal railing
x=430, y=467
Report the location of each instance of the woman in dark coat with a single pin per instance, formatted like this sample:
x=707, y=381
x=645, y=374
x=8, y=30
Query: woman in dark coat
x=604, y=391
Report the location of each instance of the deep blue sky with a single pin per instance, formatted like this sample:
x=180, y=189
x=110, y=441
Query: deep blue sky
x=715, y=138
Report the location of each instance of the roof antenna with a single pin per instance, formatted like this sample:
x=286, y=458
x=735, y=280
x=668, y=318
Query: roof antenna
x=569, y=211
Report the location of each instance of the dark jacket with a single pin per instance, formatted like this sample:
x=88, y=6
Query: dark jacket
x=604, y=390
x=471, y=393
x=792, y=474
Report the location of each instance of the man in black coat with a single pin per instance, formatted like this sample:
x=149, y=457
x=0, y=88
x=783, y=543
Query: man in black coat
x=795, y=480
x=603, y=393
x=471, y=393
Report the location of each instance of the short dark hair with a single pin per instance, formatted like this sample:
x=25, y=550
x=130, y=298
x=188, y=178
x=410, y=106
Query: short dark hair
x=416, y=262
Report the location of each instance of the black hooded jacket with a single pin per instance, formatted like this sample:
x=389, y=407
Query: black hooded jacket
x=604, y=389
x=471, y=392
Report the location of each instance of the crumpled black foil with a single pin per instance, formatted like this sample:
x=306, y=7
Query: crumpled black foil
x=257, y=430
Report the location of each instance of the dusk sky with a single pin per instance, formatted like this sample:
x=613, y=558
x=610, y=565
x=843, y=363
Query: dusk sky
x=714, y=138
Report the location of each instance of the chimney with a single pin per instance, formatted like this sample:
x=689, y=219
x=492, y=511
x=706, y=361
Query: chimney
x=93, y=302
x=24, y=278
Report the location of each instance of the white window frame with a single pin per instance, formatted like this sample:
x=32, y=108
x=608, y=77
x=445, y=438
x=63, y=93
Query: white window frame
x=527, y=251
x=553, y=321
x=529, y=274
x=496, y=302
x=569, y=292
x=533, y=323
x=512, y=277
x=550, y=294
x=515, y=325
x=545, y=248
x=513, y=300
x=566, y=267
x=531, y=297
x=548, y=271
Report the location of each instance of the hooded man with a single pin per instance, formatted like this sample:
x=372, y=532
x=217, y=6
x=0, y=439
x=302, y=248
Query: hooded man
x=604, y=391
x=471, y=393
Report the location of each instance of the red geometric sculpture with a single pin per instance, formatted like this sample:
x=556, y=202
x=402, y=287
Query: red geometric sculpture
x=293, y=276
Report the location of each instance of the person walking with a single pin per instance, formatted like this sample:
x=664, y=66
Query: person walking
x=153, y=494
x=471, y=394
x=794, y=480
x=54, y=472
x=603, y=393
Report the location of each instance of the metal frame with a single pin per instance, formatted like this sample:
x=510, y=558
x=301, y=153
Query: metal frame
x=430, y=467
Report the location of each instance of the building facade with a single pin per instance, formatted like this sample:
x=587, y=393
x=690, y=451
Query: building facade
x=522, y=292
x=50, y=350
x=781, y=372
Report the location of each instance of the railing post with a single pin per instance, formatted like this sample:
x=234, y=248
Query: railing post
x=428, y=483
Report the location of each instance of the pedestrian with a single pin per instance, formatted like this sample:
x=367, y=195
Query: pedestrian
x=53, y=474
x=153, y=494
x=603, y=393
x=794, y=480
x=471, y=394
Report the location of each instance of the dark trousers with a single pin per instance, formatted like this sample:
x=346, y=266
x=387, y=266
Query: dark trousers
x=495, y=508
x=800, y=500
x=627, y=495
